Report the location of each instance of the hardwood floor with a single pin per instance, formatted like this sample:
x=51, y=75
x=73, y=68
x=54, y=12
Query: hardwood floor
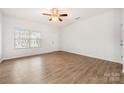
x=59, y=67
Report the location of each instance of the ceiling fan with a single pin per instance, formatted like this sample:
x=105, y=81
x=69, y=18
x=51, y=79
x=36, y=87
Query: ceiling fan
x=55, y=15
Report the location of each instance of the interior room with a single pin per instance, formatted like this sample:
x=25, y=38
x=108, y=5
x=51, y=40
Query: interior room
x=61, y=46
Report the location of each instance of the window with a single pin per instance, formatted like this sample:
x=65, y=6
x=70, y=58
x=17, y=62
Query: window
x=27, y=39
x=21, y=39
x=35, y=39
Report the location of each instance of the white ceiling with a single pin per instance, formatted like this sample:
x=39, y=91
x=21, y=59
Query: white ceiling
x=35, y=14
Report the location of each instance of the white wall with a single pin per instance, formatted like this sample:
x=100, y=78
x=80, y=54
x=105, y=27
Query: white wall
x=0, y=36
x=123, y=37
x=49, y=37
x=98, y=36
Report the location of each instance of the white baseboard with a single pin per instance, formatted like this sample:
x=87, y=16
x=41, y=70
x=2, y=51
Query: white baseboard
x=20, y=56
x=1, y=60
x=115, y=61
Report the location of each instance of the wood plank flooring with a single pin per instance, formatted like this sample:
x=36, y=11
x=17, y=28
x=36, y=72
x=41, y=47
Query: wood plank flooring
x=60, y=68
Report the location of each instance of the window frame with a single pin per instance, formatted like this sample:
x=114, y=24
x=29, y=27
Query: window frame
x=29, y=39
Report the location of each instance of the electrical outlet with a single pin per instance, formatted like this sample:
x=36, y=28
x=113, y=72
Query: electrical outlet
x=121, y=56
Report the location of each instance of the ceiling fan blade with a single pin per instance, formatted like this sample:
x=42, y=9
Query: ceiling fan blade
x=46, y=14
x=60, y=19
x=63, y=14
x=50, y=19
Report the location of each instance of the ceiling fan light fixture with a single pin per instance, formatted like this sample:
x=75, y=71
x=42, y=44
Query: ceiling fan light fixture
x=55, y=19
x=55, y=15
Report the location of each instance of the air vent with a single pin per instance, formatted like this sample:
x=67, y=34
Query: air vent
x=77, y=18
